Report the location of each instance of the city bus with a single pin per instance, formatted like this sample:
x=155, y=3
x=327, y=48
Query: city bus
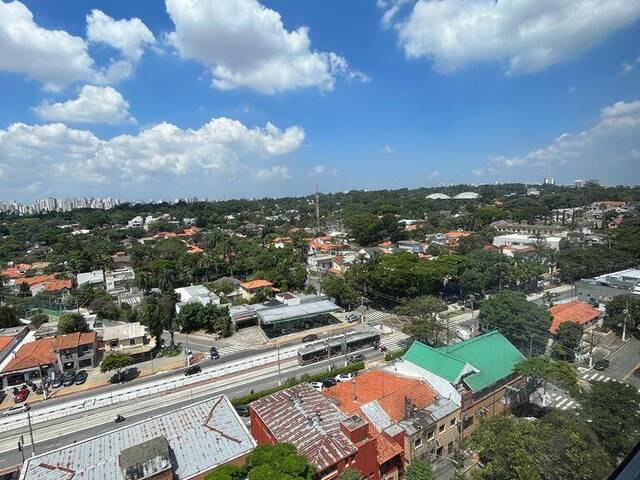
x=334, y=347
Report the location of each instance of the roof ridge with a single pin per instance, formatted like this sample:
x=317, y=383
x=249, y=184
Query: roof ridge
x=471, y=340
x=441, y=352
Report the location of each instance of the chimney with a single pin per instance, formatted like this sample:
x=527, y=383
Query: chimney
x=408, y=407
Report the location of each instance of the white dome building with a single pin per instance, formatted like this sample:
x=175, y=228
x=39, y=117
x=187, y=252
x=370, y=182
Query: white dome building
x=438, y=196
x=467, y=196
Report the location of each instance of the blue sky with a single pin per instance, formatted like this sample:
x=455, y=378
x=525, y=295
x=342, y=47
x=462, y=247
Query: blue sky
x=235, y=98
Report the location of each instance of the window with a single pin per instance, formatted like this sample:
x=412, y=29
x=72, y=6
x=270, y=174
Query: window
x=114, y=343
x=441, y=428
x=132, y=341
x=453, y=422
x=430, y=435
x=467, y=422
x=450, y=447
x=418, y=443
x=439, y=451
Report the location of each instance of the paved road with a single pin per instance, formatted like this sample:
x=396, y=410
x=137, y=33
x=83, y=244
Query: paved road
x=74, y=428
x=625, y=361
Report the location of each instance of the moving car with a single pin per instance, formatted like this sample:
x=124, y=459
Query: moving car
x=309, y=338
x=81, y=377
x=16, y=409
x=69, y=378
x=601, y=365
x=344, y=377
x=356, y=357
x=317, y=386
x=21, y=395
x=213, y=353
x=243, y=410
x=352, y=317
x=192, y=370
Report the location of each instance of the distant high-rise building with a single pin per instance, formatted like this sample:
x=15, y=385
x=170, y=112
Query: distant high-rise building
x=549, y=181
x=580, y=183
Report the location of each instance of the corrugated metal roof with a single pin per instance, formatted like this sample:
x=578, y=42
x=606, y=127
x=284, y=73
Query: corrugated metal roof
x=305, y=418
x=289, y=312
x=377, y=415
x=200, y=436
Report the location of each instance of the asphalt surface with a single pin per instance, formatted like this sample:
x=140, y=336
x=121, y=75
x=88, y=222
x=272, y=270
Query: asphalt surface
x=624, y=362
x=170, y=402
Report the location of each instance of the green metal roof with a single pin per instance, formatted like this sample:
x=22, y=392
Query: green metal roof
x=492, y=354
x=435, y=361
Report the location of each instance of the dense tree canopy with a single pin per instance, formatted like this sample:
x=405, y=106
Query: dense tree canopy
x=567, y=341
x=616, y=316
x=211, y=318
x=525, y=324
x=422, y=313
x=8, y=316
x=71, y=323
x=338, y=288
x=418, y=469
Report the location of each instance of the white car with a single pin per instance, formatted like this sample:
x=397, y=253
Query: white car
x=463, y=334
x=317, y=386
x=16, y=409
x=344, y=377
x=189, y=354
x=352, y=317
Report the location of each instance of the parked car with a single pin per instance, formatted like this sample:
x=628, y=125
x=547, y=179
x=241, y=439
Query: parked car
x=81, y=377
x=309, y=338
x=243, y=410
x=125, y=375
x=356, y=357
x=57, y=381
x=317, y=386
x=192, y=370
x=463, y=334
x=21, y=395
x=69, y=378
x=601, y=365
x=344, y=377
x=213, y=353
x=328, y=382
x=16, y=409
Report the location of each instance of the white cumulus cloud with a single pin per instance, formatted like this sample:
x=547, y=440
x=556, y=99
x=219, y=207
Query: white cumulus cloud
x=607, y=151
x=93, y=105
x=57, y=58
x=71, y=159
x=526, y=35
x=53, y=57
x=245, y=44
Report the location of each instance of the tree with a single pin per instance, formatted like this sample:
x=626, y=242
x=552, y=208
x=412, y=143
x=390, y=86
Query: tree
x=350, y=474
x=473, y=282
x=524, y=324
x=613, y=412
x=567, y=341
x=278, y=462
x=543, y=370
x=556, y=446
x=38, y=319
x=8, y=317
x=616, y=317
x=227, y=472
x=419, y=470
x=423, y=324
x=338, y=288
x=115, y=361
x=71, y=323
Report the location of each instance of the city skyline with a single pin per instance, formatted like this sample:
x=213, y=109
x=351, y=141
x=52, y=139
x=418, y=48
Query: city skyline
x=173, y=99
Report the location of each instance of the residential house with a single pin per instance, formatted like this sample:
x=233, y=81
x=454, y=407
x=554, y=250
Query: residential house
x=121, y=260
x=130, y=338
x=480, y=369
x=303, y=417
x=187, y=443
x=195, y=294
x=250, y=288
x=410, y=246
x=47, y=356
x=9, y=339
x=46, y=283
x=95, y=277
x=503, y=226
x=319, y=263
x=120, y=280
x=577, y=311
x=523, y=240
x=404, y=413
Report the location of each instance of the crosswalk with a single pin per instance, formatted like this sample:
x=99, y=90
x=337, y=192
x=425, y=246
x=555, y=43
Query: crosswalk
x=597, y=377
x=561, y=402
x=377, y=315
x=229, y=349
x=394, y=341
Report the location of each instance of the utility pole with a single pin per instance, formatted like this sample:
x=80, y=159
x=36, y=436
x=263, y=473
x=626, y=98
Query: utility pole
x=33, y=444
x=625, y=312
x=188, y=359
x=346, y=360
x=317, y=210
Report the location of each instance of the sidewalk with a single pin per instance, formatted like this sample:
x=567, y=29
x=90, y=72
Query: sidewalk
x=96, y=379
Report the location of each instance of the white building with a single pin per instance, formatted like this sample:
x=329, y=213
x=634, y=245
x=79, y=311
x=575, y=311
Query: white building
x=136, y=222
x=90, y=278
x=119, y=281
x=195, y=294
x=520, y=240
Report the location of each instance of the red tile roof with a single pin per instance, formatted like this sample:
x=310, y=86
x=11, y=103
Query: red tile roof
x=386, y=448
x=11, y=273
x=35, y=280
x=5, y=340
x=33, y=354
x=389, y=389
x=578, y=312
x=57, y=285
x=73, y=340
x=259, y=283
x=305, y=418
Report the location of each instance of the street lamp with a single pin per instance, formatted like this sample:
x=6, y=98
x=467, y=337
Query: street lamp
x=625, y=312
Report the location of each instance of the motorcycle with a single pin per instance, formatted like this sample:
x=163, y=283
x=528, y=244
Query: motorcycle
x=119, y=418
